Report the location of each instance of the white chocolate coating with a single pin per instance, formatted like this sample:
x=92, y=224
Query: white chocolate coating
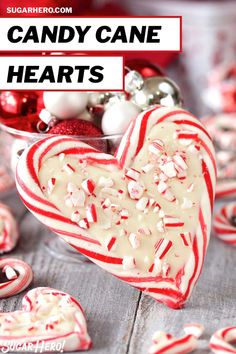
x=144, y=254
x=47, y=315
x=149, y=223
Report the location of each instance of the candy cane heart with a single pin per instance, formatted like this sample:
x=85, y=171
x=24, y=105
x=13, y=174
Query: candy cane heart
x=143, y=215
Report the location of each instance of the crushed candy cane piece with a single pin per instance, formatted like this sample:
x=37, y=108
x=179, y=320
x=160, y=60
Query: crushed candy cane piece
x=88, y=186
x=194, y=329
x=105, y=182
x=194, y=149
x=162, y=247
x=124, y=214
x=190, y=188
x=128, y=262
x=180, y=164
x=162, y=187
x=77, y=198
x=110, y=191
x=106, y=203
x=135, y=190
x=68, y=169
x=51, y=185
x=132, y=174
x=187, y=203
x=142, y=204
x=84, y=224
x=61, y=156
x=110, y=243
x=10, y=272
x=75, y=216
x=160, y=226
x=91, y=213
x=172, y=221
x=186, y=237
x=144, y=231
x=168, y=169
x=134, y=240
x=147, y=168
x=156, y=147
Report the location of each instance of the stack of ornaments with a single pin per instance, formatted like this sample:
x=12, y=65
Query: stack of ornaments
x=97, y=118
x=220, y=97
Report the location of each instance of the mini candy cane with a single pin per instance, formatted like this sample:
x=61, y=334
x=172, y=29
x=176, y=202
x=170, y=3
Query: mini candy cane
x=48, y=318
x=220, y=341
x=165, y=343
x=8, y=229
x=19, y=275
x=224, y=225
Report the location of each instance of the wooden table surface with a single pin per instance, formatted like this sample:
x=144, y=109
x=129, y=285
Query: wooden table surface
x=121, y=320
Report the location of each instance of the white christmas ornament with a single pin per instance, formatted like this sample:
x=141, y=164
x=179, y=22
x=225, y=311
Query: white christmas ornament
x=65, y=105
x=118, y=116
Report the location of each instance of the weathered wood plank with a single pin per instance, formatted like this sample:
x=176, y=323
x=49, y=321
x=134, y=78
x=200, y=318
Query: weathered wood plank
x=213, y=303
x=109, y=304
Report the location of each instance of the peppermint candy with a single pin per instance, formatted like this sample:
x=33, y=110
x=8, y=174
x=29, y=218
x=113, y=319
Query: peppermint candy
x=19, y=276
x=223, y=224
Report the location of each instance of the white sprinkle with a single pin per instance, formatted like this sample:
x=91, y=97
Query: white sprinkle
x=134, y=240
x=187, y=203
x=105, y=182
x=128, y=262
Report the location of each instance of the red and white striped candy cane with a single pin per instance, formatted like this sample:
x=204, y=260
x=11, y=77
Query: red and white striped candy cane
x=164, y=343
x=172, y=291
x=220, y=341
x=49, y=319
x=8, y=229
x=222, y=224
x=19, y=275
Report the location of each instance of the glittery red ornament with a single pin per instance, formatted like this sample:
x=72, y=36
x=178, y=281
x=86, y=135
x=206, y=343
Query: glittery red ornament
x=81, y=128
x=144, y=67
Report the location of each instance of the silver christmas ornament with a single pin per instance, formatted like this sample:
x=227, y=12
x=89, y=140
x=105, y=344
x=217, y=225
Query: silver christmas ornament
x=133, y=81
x=103, y=98
x=157, y=90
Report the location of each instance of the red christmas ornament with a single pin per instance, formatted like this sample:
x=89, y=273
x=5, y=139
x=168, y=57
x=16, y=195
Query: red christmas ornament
x=144, y=67
x=81, y=128
x=14, y=105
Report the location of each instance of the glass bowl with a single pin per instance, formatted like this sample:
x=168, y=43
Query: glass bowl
x=14, y=143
